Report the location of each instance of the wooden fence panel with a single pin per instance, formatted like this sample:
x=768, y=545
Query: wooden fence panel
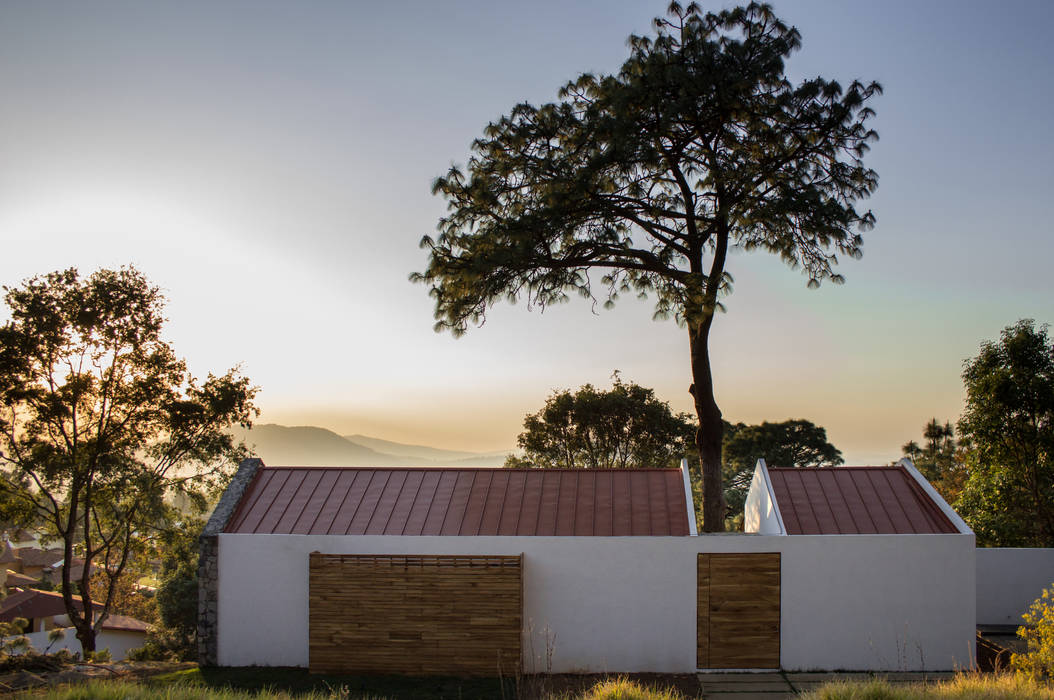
x=738, y=610
x=420, y=615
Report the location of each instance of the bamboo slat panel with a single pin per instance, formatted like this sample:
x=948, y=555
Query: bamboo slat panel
x=419, y=615
x=738, y=609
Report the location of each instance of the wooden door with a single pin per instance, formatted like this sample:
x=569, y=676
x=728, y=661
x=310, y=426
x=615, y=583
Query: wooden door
x=420, y=615
x=738, y=611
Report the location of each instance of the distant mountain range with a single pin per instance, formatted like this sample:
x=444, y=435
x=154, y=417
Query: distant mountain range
x=309, y=446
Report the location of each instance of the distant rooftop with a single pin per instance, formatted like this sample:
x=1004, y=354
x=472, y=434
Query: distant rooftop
x=855, y=501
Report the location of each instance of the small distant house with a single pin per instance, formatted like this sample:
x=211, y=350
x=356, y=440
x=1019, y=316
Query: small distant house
x=493, y=571
x=46, y=611
x=32, y=561
x=14, y=581
x=53, y=573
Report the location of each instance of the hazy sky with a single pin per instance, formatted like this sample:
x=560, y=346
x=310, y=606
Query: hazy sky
x=269, y=164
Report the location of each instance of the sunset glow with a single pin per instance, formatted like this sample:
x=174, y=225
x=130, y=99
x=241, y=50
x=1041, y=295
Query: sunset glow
x=269, y=165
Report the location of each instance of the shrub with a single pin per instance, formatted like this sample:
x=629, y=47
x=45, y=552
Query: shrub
x=1038, y=632
x=165, y=645
x=964, y=686
x=625, y=689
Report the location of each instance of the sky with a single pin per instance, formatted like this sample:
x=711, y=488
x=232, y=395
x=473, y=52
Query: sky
x=268, y=165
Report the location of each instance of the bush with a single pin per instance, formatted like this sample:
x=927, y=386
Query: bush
x=1038, y=632
x=165, y=645
x=625, y=689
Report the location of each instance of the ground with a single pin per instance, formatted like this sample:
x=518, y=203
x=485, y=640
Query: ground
x=712, y=686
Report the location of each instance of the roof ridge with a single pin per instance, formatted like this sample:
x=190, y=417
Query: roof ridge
x=840, y=466
x=458, y=468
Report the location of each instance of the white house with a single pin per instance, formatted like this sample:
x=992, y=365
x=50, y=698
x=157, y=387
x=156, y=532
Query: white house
x=478, y=571
x=45, y=612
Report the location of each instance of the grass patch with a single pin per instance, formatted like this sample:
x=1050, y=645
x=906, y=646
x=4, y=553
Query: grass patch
x=622, y=689
x=290, y=684
x=298, y=683
x=118, y=690
x=966, y=686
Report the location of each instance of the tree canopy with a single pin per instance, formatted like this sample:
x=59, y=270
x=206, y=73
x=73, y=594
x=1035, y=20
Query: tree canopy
x=645, y=180
x=624, y=427
x=791, y=443
x=939, y=458
x=1008, y=424
x=100, y=421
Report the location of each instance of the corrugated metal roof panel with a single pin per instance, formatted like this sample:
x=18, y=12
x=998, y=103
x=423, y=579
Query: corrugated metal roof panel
x=479, y=501
x=855, y=501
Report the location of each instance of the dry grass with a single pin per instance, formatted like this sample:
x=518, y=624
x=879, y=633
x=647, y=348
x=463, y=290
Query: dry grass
x=118, y=690
x=620, y=689
x=966, y=686
x=962, y=687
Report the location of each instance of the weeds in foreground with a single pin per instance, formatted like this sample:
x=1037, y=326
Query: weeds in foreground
x=622, y=689
x=117, y=690
x=965, y=686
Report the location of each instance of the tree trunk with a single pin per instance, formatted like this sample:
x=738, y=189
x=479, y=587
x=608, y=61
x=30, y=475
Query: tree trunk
x=87, y=640
x=711, y=429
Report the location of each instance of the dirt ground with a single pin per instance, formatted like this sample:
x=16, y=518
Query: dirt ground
x=24, y=680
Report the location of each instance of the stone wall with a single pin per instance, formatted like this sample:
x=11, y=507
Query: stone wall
x=208, y=562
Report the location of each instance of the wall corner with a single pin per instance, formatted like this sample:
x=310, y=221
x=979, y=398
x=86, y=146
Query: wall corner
x=208, y=561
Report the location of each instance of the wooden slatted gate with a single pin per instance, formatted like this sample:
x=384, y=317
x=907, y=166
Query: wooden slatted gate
x=738, y=611
x=422, y=615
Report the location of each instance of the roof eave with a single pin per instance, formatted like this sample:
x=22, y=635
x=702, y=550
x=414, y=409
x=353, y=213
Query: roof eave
x=927, y=487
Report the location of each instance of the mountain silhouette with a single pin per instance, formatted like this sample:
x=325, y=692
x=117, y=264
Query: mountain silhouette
x=311, y=446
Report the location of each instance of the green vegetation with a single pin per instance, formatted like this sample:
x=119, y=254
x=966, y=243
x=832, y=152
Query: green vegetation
x=962, y=687
x=1008, y=426
x=116, y=690
x=625, y=427
x=999, y=473
x=1037, y=662
x=643, y=181
x=629, y=427
x=176, y=600
x=791, y=443
x=286, y=684
x=621, y=689
x=939, y=458
x=101, y=422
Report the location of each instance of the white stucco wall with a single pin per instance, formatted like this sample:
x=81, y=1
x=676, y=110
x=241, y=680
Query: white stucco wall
x=1008, y=580
x=893, y=602
x=117, y=641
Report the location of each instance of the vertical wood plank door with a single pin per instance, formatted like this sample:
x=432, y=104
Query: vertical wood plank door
x=738, y=610
x=415, y=615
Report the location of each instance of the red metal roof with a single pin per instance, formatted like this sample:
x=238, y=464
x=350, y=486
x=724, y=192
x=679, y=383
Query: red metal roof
x=855, y=501
x=462, y=501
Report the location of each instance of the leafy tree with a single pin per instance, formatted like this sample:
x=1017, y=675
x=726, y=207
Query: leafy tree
x=1008, y=421
x=940, y=460
x=177, y=598
x=128, y=598
x=698, y=146
x=792, y=443
x=99, y=420
x=594, y=429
